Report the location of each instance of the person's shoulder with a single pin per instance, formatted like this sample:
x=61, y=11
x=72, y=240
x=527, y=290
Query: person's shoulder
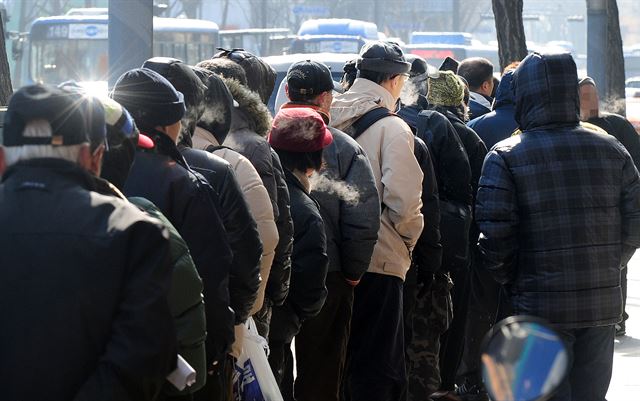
x=123, y=214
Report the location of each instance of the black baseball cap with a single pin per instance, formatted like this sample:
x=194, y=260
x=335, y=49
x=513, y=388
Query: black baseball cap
x=66, y=112
x=383, y=57
x=311, y=78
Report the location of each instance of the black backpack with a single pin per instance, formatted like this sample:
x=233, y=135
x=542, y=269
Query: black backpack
x=455, y=217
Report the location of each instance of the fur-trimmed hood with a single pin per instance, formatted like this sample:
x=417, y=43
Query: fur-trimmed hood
x=251, y=112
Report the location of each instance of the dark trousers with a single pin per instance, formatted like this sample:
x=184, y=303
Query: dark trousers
x=321, y=344
x=452, y=342
x=219, y=385
x=623, y=280
x=375, y=355
x=591, y=351
x=281, y=362
x=484, y=300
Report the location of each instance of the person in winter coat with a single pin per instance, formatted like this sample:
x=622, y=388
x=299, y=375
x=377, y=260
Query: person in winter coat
x=210, y=132
x=427, y=301
x=413, y=98
x=377, y=338
x=299, y=135
x=161, y=175
x=478, y=73
x=250, y=122
x=484, y=292
x=84, y=277
x=500, y=123
x=347, y=195
x=559, y=212
x=621, y=128
x=185, y=293
x=446, y=95
x=244, y=240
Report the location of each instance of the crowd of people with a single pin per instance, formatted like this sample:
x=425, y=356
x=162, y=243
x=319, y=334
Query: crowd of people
x=373, y=230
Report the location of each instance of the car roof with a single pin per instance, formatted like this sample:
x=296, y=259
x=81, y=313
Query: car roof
x=332, y=60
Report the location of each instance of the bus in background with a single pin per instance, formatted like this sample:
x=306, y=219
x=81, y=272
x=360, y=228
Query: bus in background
x=333, y=35
x=75, y=46
x=436, y=46
x=260, y=41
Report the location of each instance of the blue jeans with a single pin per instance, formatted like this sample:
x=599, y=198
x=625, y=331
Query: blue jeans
x=591, y=358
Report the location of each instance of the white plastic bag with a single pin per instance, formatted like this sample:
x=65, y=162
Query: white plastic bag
x=253, y=379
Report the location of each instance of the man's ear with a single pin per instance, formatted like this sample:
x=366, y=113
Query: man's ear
x=486, y=86
x=96, y=160
x=3, y=161
x=84, y=157
x=286, y=90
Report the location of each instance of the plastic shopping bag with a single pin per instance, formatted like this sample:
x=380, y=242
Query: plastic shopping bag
x=253, y=379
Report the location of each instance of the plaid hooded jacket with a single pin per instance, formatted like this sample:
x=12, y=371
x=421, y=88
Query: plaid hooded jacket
x=559, y=205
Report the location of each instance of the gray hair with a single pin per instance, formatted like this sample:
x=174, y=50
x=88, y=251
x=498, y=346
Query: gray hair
x=39, y=129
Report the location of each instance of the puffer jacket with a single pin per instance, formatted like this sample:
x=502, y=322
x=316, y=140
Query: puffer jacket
x=308, y=266
x=558, y=205
x=501, y=122
x=257, y=198
x=83, y=285
x=250, y=124
x=187, y=200
x=242, y=233
x=389, y=146
x=347, y=195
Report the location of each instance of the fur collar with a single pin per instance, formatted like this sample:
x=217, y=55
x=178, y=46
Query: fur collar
x=251, y=112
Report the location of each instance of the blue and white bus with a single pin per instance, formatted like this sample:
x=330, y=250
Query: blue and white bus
x=75, y=46
x=333, y=35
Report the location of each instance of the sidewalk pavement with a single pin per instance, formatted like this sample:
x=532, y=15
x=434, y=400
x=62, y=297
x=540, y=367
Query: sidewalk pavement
x=625, y=383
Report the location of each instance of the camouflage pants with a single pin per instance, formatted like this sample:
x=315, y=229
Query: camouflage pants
x=431, y=317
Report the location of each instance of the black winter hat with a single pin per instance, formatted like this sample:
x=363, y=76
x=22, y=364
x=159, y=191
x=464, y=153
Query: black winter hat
x=149, y=97
x=382, y=57
x=66, y=112
x=261, y=77
x=181, y=77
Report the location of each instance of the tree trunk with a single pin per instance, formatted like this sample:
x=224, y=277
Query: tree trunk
x=614, y=87
x=5, y=76
x=512, y=45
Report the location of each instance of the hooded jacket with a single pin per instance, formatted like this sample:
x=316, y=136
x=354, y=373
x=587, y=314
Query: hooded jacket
x=250, y=124
x=346, y=192
x=389, y=146
x=187, y=200
x=558, y=205
x=479, y=104
x=500, y=123
x=257, y=198
x=84, y=280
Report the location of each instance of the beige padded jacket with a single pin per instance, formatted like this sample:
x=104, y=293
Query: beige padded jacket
x=257, y=198
x=389, y=146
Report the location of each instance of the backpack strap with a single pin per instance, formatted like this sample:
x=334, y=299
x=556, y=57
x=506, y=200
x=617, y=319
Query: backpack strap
x=422, y=128
x=367, y=120
x=213, y=148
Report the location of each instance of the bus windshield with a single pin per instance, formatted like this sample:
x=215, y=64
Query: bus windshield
x=54, y=61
